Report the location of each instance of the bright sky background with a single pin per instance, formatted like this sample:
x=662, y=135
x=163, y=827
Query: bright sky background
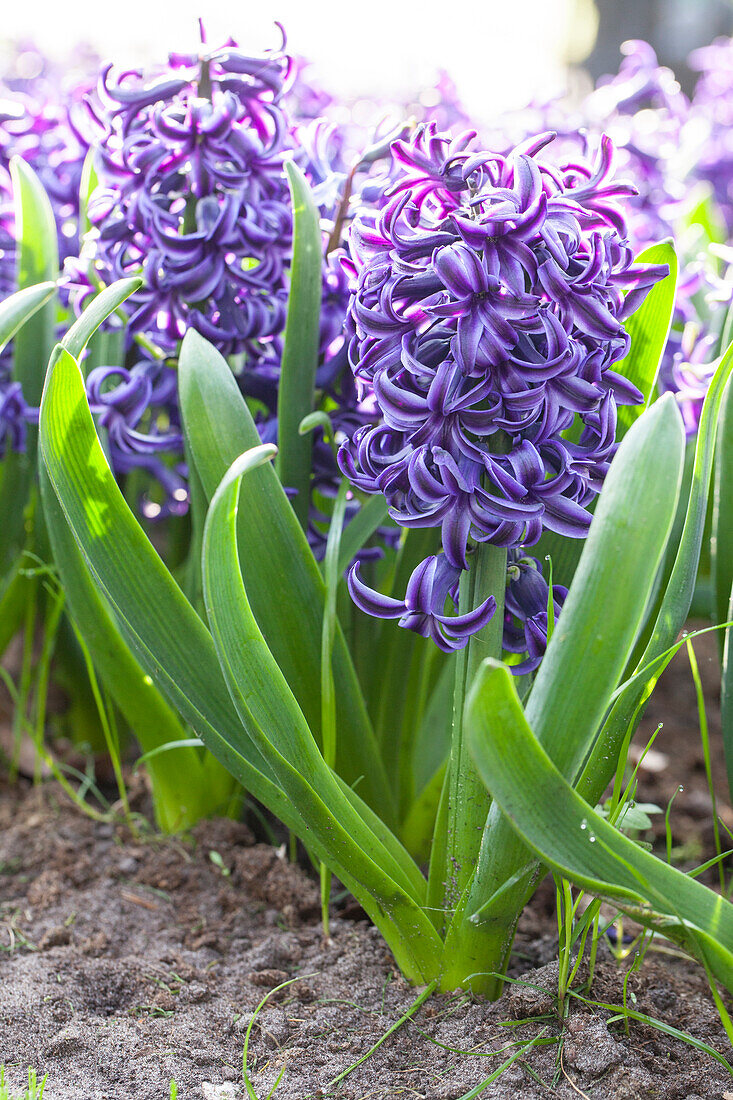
x=499, y=52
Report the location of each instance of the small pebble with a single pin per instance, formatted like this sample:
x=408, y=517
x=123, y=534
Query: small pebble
x=225, y=1091
x=591, y=1049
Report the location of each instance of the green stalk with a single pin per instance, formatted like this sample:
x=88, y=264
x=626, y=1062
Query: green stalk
x=467, y=798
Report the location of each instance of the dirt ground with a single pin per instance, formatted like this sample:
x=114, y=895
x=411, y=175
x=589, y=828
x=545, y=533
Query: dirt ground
x=125, y=963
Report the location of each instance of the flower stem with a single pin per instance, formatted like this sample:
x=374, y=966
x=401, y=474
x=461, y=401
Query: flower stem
x=468, y=799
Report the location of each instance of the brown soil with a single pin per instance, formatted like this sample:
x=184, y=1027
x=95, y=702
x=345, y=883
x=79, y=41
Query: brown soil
x=125, y=963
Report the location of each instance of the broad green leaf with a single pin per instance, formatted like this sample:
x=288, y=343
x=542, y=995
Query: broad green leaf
x=565, y=832
x=649, y=329
x=20, y=307
x=284, y=584
x=590, y=646
x=300, y=345
x=183, y=789
x=605, y=607
x=419, y=825
x=337, y=834
x=432, y=739
x=99, y=309
x=168, y=638
x=676, y=595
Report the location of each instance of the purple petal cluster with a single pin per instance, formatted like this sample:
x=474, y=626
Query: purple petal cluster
x=193, y=196
x=489, y=298
x=712, y=121
x=15, y=414
x=35, y=124
x=133, y=406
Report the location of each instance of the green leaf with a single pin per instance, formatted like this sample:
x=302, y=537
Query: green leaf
x=166, y=635
x=183, y=790
x=574, y=841
x=676, y=595
x=300, y=345
x=275, y=558
x=605, y=607
x=420, y=821
x=99, y=309
x=649, y=329
x=726, y=695
x=384, y=882
x=20, y=307
x=38, y=263
x=328, y=631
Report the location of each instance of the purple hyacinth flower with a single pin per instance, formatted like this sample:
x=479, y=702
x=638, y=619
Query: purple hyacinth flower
x=490, y=293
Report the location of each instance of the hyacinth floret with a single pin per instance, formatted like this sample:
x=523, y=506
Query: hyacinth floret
x=526, y=610
x=489, y=295
x=432, y=583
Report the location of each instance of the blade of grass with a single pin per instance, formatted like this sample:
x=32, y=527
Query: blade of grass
x=419, y=1000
